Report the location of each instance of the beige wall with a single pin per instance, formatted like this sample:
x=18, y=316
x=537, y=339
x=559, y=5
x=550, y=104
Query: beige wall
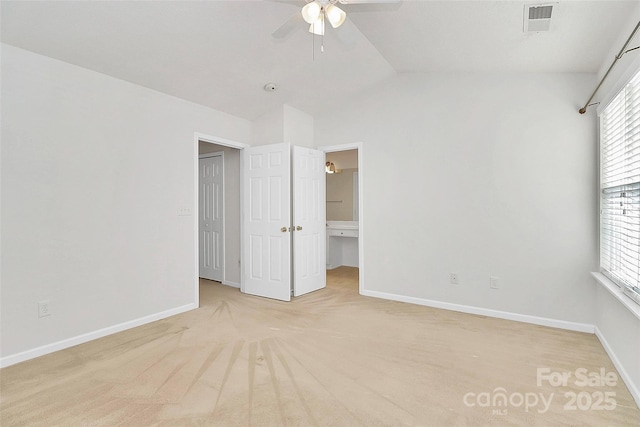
x=340, y=195
x=347, y=159
x=340, y=185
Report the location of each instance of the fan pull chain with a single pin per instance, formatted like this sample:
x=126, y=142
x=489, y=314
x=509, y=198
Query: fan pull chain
x=323, y=29
x=313, y=38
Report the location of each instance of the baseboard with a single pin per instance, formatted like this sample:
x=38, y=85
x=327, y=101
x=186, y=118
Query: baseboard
x=230, y=283
x=81, y=339
x=542, y=321
x=633, y=388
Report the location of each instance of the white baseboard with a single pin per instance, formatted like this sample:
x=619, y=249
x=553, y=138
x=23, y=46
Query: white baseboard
x=81, y=339
x=542, y=321
x=230, y=283
x=633, y=388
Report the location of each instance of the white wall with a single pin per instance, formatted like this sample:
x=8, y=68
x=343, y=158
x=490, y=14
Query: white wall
x=93, y=172
x=298, y=127
x=619, y=331
x=617, y=327
x=269, y=128
x=480, y=175
x=624, y=68
x=284, y=124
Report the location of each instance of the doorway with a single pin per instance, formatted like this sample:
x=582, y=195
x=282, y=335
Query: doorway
x=230, y=236
x=345, y=248
x=284, y=226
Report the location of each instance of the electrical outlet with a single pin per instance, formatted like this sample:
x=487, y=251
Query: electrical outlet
x=493, y=282
x=453, y=278
x=43, y=309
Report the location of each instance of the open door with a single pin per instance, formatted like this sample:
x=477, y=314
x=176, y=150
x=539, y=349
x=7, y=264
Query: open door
x=266, y=222
x=309, y=213
x=267, y=227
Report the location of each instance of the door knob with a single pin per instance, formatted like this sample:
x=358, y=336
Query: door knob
x=283, y=229
x=298, y=228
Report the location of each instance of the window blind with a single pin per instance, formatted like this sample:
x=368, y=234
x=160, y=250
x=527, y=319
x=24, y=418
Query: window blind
x=620, y=189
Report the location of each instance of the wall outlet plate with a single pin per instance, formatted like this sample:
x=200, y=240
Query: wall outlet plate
x=44, y=309
x=493, y=282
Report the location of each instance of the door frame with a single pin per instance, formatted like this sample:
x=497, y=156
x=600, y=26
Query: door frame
x=200, y=137
x=222, y=214
x=345, y=147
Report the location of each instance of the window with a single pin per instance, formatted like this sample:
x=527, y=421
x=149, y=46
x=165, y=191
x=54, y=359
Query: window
x=620, y=189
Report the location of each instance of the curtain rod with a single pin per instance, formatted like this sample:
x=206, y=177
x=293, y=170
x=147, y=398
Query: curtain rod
x=618, y=56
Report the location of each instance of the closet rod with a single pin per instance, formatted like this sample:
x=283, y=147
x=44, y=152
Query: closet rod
x=618, y=56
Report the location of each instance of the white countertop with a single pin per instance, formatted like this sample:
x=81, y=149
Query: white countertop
x=342, y=225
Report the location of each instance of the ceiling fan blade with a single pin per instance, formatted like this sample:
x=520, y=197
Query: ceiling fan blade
x=292, y=2
x=292, y=24
x=368, y=1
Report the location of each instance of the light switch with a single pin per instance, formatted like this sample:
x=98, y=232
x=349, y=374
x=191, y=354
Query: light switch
x=184, y=211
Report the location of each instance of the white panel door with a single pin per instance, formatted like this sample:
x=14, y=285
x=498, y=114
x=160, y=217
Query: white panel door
x=309, y=225
x=210, y=217
x=266, y=237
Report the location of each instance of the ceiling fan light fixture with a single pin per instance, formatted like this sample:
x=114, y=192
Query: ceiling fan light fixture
x=311, y=12
x=335, y=15
x=317, y=27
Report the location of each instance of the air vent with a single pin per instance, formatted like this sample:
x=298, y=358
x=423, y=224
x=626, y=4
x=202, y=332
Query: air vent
x=537, y=17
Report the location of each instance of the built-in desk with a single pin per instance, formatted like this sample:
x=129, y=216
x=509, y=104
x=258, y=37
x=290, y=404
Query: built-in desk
x=342, y=244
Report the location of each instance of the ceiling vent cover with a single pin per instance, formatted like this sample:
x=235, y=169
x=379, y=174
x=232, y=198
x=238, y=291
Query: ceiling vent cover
x=537, y=17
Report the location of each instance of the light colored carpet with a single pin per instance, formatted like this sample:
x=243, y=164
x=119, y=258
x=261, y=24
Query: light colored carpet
x=329, y=358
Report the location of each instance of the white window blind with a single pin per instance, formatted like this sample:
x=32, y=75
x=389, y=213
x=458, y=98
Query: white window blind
x=620, y=189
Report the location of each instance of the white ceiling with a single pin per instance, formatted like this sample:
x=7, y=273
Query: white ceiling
x=221, y=53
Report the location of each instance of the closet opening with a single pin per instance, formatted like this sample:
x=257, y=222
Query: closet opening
x=343, y=218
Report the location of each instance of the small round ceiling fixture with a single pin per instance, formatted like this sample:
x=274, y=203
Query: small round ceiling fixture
x=270, y=87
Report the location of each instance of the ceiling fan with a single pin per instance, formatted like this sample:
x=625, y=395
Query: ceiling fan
x=317, y=12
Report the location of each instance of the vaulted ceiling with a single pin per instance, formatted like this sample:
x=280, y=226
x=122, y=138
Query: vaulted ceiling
x=222, y=53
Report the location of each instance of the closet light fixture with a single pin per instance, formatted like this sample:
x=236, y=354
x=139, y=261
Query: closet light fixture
x=329, y=167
